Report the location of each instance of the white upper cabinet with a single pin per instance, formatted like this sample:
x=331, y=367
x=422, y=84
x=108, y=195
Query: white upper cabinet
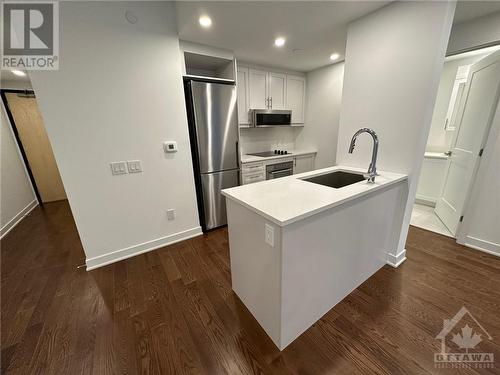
x=242, y=92
x=277, y=90
x=296, y=97
x=258, y=88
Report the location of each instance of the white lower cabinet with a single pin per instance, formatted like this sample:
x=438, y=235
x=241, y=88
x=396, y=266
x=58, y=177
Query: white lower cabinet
x=303, y=163
x=252, y=172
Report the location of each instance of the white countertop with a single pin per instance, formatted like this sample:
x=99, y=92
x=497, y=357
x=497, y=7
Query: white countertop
x=252, y=159
x=289, y=199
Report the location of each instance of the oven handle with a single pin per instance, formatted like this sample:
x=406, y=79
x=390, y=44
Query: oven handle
x=282, y=171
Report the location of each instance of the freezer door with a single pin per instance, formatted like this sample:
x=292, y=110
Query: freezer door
x=216, y=125
x=214, y=204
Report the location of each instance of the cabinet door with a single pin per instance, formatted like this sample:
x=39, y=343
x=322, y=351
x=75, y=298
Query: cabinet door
x=303, y=163
x=295, y=97
x=277, y=90
x=242, y=92
x=257, y=83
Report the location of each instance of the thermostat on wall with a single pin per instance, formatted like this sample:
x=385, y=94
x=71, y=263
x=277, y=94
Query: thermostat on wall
x=170, y=146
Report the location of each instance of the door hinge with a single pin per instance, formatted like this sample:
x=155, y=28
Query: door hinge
x=461, y=218
x=481, y=152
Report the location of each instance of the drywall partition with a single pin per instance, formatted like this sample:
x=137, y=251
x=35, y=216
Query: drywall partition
x=323, y=99
x=118, y=96
x=17, y=195
x=482, y=31
x=394, y=58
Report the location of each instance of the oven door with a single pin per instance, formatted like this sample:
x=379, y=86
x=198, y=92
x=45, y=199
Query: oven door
x=279, y=173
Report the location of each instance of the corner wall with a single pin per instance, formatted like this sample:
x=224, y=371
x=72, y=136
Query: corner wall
x=394, y=59
x=117, y=96
x=323, y=99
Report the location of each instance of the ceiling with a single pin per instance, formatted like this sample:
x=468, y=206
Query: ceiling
x=468, y=10
x=313, y=30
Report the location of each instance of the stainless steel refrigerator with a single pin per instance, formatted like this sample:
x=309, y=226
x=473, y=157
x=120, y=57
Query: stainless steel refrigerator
x=213, y=129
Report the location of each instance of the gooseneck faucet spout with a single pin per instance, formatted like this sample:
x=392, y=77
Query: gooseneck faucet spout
x=372, y=169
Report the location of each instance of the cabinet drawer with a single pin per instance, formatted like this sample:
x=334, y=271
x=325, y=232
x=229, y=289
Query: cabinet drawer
x=252, y=168
x=253, y=177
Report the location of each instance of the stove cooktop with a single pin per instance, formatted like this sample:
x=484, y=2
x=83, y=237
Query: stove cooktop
x=267, y=154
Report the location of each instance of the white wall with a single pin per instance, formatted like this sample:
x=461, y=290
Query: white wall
x=476, y=32
x=323, y=99
x=394, y=59
x=117, y=96
x=439, y=139
x=17, y=196
x=482, y=214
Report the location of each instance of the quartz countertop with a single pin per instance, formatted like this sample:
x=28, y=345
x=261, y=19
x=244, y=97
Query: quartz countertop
x=289, y=199
x=252, y=158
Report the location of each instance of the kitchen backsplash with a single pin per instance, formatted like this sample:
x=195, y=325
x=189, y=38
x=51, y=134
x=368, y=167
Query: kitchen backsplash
x=267, y=139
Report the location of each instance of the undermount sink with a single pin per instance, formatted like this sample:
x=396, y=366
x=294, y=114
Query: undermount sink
x=336, y=179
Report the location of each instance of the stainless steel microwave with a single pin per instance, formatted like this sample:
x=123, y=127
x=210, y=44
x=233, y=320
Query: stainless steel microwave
x=271, y=117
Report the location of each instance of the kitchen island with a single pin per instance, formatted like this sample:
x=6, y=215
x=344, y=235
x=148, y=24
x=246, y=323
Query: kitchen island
x=297, y=248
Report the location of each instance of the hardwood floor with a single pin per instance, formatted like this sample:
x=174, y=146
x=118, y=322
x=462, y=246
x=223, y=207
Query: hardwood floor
x=172, y=311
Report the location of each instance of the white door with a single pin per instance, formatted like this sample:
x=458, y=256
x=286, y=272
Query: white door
x=295, y=97
x=277, y=90
x=242, y=92
x=257, y=83
x=475, y=113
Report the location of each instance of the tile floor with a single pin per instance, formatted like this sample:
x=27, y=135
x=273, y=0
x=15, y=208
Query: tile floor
x=424, y=217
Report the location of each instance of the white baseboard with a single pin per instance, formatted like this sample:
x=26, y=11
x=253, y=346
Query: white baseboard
x=425, y=200
x=17, y=219
x=396, y=260
x=482, y=245
x=115, y=256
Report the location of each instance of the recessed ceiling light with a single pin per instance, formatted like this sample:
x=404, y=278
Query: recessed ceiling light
x=334, y=56
x=18, y=73
x=205, y=21
x=279, y=42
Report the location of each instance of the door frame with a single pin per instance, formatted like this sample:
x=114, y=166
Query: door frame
x=18, y=138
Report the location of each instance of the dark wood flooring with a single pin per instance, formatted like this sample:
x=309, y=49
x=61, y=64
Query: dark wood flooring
x=172, y=311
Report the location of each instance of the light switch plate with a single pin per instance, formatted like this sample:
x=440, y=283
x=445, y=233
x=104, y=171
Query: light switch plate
x=118, y=167
x=269, y=235
x=171, y=214
x=134, y=166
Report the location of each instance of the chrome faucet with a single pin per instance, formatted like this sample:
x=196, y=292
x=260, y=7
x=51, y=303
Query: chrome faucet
x=372, y=169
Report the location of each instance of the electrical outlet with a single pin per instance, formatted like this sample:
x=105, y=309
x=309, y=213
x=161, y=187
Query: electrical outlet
x=269, y=235
x=171, y=214
x=134, y=166
x=118, y=167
